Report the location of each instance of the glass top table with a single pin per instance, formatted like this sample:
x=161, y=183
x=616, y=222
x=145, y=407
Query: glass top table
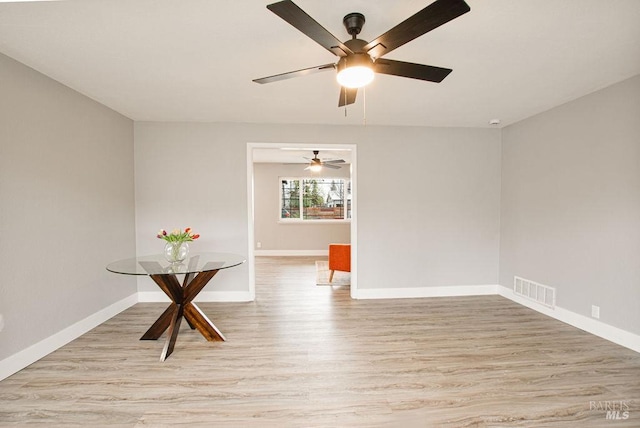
x=158, y=265
x=198, y=269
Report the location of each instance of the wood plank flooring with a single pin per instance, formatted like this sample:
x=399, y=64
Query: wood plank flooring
x=303, y=355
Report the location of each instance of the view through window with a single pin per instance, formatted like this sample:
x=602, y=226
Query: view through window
x=315, y=199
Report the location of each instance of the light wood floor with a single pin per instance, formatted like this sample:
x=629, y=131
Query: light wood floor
x=309, y=356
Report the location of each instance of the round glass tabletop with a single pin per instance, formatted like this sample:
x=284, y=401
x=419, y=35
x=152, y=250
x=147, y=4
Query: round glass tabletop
x=158, y=265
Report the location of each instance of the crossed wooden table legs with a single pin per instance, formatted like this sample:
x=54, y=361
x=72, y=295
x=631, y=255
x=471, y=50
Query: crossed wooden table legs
x=182, y=306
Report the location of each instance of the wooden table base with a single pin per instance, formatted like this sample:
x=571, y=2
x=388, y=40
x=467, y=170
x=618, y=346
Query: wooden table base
x=182, y=306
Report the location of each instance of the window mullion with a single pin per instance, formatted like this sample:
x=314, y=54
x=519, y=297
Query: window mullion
x=301, y=198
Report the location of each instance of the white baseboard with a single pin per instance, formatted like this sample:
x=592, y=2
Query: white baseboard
x=33, y=353
x=590, y=325
x=288, y=253
x=416, y=292
x=205, y=296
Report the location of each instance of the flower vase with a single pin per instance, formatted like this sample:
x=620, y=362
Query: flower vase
x=176, y=252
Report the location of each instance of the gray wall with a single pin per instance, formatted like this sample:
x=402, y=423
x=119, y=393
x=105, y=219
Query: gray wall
x=275, y=235
x=428, y=207
x=428, y=198
x=66, y=206
x=571, y=203
x=192, y=175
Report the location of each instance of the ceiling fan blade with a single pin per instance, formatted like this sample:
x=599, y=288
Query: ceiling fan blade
x=411, y=70
x=328, y=165
x=347, y=96
x=297, y=73
x=298, y=18
x=437, y=13
x=333, y=161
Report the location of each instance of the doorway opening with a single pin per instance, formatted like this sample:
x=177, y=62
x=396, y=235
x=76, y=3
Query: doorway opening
x=289, y=153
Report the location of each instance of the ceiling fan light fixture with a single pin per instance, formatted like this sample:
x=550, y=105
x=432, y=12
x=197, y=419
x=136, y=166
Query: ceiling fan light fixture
x=355, y=71
x=355, y=77
x=315, y=167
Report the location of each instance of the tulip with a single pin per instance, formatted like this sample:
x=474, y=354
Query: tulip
x=187, y=230
x=196, y=236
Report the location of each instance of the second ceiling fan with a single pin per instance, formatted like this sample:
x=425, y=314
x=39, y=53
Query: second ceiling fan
x=316, y=164
x=359, y=59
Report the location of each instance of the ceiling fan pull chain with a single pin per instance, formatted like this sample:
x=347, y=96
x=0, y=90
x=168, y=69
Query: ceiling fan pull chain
x=345, y=102
x=364, y=106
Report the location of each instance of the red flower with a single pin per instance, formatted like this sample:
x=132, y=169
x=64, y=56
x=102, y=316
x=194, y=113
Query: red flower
x=187, y=230
x=195, y=236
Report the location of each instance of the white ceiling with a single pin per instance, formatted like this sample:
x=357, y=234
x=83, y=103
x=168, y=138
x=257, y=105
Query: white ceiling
x=193, y=60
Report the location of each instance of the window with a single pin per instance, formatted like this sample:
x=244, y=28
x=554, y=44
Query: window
x=313, y=199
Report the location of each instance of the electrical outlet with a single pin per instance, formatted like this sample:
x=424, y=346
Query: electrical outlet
x=258, y=244
x=595, y=311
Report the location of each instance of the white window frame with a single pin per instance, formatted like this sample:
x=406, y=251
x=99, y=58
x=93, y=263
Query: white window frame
x=346, y=183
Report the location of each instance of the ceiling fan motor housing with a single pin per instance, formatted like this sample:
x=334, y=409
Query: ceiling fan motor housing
x=356, y=45
x=355, y=60
x=359, y=58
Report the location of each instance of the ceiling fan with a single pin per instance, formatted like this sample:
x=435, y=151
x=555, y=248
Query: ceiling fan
x=316, y=164
x=359, y=59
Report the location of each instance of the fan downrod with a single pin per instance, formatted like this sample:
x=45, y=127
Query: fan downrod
x=353, y=22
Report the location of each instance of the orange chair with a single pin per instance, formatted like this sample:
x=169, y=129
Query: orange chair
x=339, y=258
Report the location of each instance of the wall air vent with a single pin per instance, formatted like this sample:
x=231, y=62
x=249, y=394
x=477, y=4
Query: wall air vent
x=531, y=290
